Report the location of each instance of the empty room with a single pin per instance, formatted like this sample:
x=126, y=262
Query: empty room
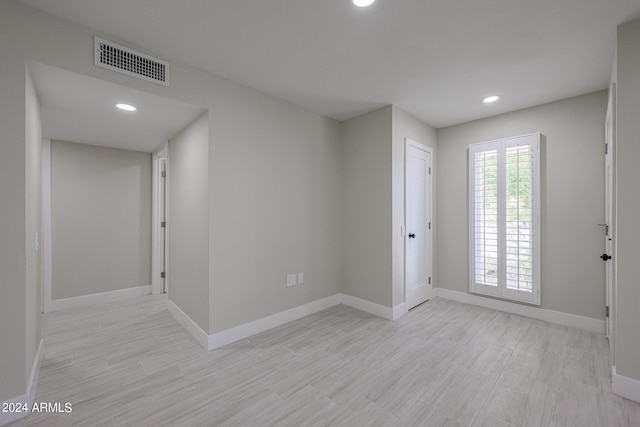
x=331, y=213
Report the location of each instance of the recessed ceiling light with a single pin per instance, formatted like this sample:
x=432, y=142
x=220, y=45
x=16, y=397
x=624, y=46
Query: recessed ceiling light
x=126, y=107
x=363, y=3
x=490, y=99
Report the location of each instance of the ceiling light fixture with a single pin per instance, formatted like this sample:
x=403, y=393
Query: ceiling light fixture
x=490, y=99
x=363, y=3
x=126, y=107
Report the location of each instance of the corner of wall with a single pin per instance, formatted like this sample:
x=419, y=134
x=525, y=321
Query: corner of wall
x=33, y=221
x=366, y=198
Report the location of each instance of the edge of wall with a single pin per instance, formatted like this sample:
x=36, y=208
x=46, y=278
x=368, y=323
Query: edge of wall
x=551, y=316
x=103, y=297
x=27, y=398
x=624, y=386
x=192, y=327
x=400, y=310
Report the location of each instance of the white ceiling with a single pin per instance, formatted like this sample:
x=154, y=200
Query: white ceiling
x=435, y=59
x=82, y=109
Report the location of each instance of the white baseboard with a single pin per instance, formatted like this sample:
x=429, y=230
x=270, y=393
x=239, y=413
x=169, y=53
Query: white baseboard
x=624, y=386
x=192, y=327
x=390, y=313
x=368, y=306
x=246, y=330
x=27, y=398
x=240, y=332
x=104, y=297
x=399, y=311
x=551, y=316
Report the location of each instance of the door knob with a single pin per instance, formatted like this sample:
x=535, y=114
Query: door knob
x=606, y=257
x=412, y=236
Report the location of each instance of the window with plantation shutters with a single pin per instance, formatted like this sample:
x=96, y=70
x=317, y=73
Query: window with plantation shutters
x=504, y=218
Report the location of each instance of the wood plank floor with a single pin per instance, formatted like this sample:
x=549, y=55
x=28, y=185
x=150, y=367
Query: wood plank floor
x=443, y=364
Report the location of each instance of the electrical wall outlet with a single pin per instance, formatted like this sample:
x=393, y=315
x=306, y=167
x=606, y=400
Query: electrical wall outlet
x=291, y=280
x=300, y=278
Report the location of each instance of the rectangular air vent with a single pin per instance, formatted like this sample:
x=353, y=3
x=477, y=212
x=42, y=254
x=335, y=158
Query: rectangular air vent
x=115, y=57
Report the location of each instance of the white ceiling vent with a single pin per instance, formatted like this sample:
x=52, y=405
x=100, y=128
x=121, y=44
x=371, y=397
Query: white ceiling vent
x=115, y=57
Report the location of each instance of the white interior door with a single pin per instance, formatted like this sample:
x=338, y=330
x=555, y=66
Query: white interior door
x=609, y=225
x=418, y=225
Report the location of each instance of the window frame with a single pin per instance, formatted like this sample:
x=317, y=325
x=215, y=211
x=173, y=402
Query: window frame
x=501, y=290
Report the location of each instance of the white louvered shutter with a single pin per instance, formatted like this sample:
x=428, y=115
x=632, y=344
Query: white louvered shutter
x=504, y=218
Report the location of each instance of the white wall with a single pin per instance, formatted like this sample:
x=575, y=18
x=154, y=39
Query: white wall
x=12, y=227
x=406, y=126
x=100, y=219
x=20, y=260
x=628, y=198
x=20, y=210
x=275, y=187
x=366, y=207
x=572, y=184
x=188, y=221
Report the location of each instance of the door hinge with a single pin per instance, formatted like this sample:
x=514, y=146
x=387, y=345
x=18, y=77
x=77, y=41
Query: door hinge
x=163, y=224
x=606, y=311
x=429, y=170
x=429, y=279
x=429, y=225
x=162, y=275
x=606, y=148
x=164, y=174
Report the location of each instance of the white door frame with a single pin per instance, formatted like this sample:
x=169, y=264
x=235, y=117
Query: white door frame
x=610, y=220
x=159, y=246
x=409, y=142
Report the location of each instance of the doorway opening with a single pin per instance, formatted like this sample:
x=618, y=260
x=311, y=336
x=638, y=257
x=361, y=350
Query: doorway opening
x=159, y=247
x=80, y=109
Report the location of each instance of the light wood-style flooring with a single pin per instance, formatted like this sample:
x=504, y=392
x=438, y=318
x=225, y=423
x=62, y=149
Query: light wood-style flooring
x=443, y=364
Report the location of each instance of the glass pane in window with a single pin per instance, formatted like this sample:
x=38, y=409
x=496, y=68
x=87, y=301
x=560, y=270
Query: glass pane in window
x=486, y=217
x=519, y=218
